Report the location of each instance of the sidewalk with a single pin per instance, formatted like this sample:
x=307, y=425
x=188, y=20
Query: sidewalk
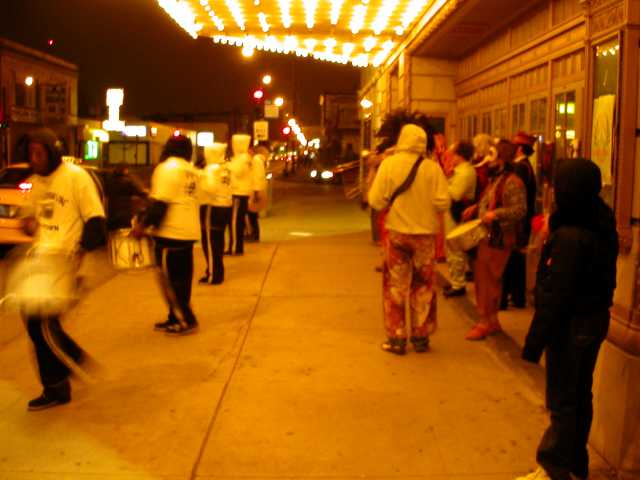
x=285, y=379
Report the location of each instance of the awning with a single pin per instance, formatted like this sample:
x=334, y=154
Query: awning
x=359, y=32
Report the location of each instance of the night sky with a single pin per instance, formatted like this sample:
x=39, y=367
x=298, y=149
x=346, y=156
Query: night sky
x=133, y=44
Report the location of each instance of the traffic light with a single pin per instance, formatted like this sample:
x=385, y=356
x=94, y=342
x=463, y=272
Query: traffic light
x=258, y=95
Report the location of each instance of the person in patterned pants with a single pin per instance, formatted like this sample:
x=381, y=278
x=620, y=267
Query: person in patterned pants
x=412, y=187
x=408, y=279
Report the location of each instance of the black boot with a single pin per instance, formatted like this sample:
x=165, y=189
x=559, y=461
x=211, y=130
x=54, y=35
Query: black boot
x=53, y=395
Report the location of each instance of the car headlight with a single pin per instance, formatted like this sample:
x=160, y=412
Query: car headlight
x=313, y=174
x=326, y=174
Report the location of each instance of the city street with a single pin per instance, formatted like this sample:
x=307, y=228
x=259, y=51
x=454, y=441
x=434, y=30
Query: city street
x=285, y=378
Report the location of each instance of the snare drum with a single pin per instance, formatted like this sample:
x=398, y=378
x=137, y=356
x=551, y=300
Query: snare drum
x=43, y=284
x=127, y=252
x=467, y=235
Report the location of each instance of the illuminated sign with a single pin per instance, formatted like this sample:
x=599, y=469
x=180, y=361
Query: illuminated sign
x=91, y=150
x=204, y=139
x=135, y=131
x=100, y=135
x=115, y=99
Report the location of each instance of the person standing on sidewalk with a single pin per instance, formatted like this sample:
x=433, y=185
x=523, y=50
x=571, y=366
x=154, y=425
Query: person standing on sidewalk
x=514, y=279
x=215, y=211
x=241, y=187
x=502, y=207
x=173, y=220
x=576, y=280
x=258, y=200
x=66, y=217
x=462, y=190
x=414, y=189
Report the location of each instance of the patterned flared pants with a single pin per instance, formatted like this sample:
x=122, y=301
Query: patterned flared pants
x=408, y=280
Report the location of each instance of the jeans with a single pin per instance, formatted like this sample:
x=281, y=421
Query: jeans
x=563, y=448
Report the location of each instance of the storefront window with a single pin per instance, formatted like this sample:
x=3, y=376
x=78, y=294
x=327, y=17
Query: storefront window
x=605, y=92
x=538, y=120
x=565, y=124
x=486, y=123
x=517, y=117
x=500, y=122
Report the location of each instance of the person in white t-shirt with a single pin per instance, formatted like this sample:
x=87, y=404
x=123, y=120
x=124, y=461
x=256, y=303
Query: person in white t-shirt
x=259, y=196
x=241, y=166
x=66, y=217
x=215, y=210
x=172, y=219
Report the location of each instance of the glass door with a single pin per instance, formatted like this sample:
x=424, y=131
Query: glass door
x=565, y=124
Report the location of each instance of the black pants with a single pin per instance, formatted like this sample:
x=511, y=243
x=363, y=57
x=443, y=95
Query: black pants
x=255, y=225
x=213, y=221
x=563, y=448
x=236, y=224
x=52, y=343
x=514, y=280
x=175, y=259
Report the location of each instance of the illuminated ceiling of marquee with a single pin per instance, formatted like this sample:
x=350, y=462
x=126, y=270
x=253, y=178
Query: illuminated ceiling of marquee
x=360, y=32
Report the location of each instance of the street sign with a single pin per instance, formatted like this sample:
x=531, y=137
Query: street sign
x=260, y=130
x=271, y=111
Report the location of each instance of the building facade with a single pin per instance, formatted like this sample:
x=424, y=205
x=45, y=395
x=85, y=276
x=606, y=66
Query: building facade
x=35, y=89
x=568, y=72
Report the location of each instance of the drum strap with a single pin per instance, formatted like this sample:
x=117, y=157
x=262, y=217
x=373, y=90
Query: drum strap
x=407, y=182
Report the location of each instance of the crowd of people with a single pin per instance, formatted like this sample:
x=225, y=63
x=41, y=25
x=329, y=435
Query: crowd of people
x=419, y=191
x=66, y=216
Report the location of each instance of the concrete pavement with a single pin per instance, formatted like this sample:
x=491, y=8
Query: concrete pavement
x=284, y=380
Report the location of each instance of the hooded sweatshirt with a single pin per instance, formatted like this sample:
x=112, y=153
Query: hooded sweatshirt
x=216, y=177
x=241, y=165
x=415, y=211
x=577, y=271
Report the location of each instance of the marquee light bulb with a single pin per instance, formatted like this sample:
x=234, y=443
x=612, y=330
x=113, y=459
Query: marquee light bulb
x=336, y=7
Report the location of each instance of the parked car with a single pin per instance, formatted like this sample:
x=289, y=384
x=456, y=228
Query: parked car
x=342, y=173
x=14, y=188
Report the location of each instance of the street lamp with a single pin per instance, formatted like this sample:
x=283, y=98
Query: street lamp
x=278, y=102
x=28, y=81
x=266, y=79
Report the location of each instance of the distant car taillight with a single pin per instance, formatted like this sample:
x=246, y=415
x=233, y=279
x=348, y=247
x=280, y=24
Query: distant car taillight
x=25, y=186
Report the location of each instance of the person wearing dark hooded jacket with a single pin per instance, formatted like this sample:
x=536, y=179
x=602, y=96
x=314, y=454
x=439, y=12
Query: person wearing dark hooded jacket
x=575, y=283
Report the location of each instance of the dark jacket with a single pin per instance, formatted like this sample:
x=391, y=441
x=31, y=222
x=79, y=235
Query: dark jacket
x=576, y=275
x=524, y=170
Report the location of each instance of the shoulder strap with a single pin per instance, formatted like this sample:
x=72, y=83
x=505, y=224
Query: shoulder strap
x=407, y=182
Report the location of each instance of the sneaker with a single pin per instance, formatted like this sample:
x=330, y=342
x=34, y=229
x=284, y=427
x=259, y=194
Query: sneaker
x=420, y=344
x=178, y=329
x=204, y=279
x=455, y=292
x=161, y=326
x=397, y=346
x=539, y=474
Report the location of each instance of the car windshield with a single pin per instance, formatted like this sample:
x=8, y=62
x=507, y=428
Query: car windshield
x=12, y=177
